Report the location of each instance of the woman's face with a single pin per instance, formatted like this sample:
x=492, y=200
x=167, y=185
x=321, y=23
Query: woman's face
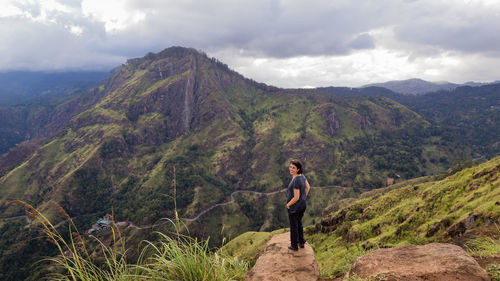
x=293, y=169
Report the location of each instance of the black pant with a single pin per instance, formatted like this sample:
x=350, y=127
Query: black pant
x=296, y=230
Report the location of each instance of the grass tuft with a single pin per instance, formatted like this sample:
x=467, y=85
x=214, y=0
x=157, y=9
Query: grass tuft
x=483, y=246
x=173, y=257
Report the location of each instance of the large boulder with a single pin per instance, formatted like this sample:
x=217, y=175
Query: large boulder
x=431, y=262
x=278, y=263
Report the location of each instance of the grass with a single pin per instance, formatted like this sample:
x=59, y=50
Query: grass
x=172, y=257
x=416, y=212
x=483, y=246
x=186, y=258
x=493, y=271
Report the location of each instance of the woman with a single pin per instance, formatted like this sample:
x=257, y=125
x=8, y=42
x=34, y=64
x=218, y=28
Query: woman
x=298, y=189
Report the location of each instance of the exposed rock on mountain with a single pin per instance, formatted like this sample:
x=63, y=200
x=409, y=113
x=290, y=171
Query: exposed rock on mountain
x=461, y=208
x=431, y=262
x=278, y=263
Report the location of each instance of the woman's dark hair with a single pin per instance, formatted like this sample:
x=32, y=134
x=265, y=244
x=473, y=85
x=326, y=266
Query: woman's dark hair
x=297, y=164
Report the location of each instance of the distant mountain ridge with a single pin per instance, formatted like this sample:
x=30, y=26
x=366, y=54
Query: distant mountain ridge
x=472, y=112
x=31, y=101
x=417, y=86
x=18, y=87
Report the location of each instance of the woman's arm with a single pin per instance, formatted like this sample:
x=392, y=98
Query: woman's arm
x=296, y=197
x=308, y=187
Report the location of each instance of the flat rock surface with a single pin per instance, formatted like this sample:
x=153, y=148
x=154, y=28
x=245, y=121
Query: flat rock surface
x=278, y=263
x=431, y=262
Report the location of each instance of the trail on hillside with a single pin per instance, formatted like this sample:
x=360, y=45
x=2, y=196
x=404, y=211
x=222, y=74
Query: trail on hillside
x=191, y=219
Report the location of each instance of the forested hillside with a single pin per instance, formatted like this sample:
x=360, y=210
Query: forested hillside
x=470, y=114
x=181, y=115
x=30, y=103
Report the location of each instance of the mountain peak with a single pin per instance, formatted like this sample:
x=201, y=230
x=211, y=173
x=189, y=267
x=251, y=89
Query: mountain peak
x=171, y=52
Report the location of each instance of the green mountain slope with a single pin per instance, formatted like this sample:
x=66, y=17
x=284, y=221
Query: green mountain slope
x=222, y=133
x=471, y=114
x=463, y=208
x=29, y=101
x=474, y=112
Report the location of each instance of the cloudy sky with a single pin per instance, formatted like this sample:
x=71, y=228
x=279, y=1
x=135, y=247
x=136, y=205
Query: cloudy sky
x=284, y=43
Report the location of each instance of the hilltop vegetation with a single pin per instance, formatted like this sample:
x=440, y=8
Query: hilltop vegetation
x=468, y=114
x=473, y=112
x=463, y=208
x=222, y=132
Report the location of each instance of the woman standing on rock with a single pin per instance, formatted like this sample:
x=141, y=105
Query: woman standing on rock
x=298, y=189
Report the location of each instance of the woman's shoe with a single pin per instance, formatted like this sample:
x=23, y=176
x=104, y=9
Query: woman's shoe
x=292, y=248
x=301, y=245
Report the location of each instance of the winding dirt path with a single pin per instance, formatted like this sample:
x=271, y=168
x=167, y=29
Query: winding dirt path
x=253, y=192
x=228, y=203
x=165, y=221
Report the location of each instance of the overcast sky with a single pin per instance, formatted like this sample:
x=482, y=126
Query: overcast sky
x=307, y=43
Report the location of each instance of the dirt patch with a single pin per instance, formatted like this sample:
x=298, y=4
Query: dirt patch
x=484, y=261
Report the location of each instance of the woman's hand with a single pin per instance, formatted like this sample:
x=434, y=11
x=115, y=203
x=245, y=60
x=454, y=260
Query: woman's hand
x=295, y=199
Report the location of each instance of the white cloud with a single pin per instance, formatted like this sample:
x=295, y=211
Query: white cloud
x=76, y=30
x=115, y=14
x=9, y=9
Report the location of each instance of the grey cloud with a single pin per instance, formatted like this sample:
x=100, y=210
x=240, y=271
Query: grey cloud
x=443, y=26
x=260, y=28
x=363, y=41
x=37, y=46
x=469, y=39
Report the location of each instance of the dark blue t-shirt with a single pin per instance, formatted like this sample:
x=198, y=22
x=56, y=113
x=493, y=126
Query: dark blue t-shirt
x=299, y=182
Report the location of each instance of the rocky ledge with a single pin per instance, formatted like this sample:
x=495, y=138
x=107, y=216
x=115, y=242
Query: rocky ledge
x=278, y=263
x=431, y=262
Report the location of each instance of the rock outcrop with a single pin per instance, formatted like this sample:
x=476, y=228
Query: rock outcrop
x=278, y=263
x=431, y=262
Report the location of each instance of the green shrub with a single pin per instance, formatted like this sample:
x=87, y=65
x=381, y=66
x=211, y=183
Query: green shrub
x=493, y=271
